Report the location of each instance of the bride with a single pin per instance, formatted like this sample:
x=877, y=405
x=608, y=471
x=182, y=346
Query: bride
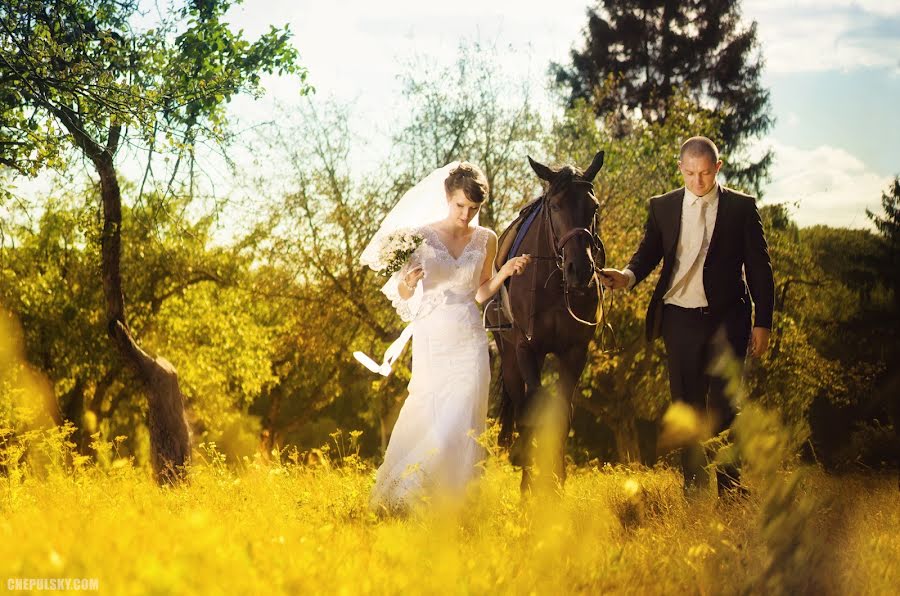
x=434, y=450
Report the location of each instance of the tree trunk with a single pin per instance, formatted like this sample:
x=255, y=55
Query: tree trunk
x=628, y=447
x=267, y=435
x=74, y=413
x=170, y=446
x=169, y=432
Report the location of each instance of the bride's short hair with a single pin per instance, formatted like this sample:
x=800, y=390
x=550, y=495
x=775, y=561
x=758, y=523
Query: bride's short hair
x=470, y=179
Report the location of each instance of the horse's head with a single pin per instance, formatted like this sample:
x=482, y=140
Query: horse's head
x=572, y=209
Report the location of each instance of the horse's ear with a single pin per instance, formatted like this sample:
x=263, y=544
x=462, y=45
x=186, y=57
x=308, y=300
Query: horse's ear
x=543, y=172
x=595, y=166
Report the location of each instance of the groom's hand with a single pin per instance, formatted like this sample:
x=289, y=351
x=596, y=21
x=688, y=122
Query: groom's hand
x=613, y=278
x=759, y=341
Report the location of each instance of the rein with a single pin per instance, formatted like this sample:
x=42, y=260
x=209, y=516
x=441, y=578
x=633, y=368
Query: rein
x=558, y=247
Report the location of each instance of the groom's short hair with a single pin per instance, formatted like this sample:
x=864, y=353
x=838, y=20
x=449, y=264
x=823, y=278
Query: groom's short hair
x=699, y=147
x=470, y=179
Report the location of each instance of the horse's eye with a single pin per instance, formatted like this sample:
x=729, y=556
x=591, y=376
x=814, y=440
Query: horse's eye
x=554, y=207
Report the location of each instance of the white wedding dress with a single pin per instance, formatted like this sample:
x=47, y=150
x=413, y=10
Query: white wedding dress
x=434, y=450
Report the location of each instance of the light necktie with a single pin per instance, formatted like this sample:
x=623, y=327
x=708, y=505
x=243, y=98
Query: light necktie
x=702, y=222
x=692, y=271
x=679, y=287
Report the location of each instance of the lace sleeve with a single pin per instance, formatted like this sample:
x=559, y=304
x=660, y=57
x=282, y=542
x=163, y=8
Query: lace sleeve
x=407, y=309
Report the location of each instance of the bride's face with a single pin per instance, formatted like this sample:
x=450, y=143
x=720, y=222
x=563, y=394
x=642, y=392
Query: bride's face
x=462, y=210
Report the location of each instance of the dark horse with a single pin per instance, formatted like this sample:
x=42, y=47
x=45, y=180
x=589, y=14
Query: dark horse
x=555, y=306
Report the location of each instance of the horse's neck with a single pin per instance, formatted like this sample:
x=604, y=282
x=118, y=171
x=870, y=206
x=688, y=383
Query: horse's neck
x=542, y=245
x=538, y=244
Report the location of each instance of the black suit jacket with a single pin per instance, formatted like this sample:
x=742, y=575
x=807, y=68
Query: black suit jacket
x=738, y=245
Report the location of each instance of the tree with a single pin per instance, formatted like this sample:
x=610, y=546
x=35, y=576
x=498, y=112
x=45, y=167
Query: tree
x=181, y=302
x=324, y=303
x=471, y=111
x=831, y=339
x=77, y=74
x=888, y=225
x=639, y=55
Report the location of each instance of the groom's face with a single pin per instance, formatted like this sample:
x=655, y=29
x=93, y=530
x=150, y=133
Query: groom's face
x=699, y=172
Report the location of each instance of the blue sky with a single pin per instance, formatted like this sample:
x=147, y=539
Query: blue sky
x=833, y=68
x=854, y=109
x=836, y=142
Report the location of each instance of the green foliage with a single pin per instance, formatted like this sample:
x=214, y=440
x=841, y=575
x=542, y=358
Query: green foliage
x=225, y=349
x=888, y=225
x=833, y=334
x=186, y=297
x=72, y=69
x=476, y=112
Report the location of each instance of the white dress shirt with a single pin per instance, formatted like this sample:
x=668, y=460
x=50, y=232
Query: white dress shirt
x=686, y=286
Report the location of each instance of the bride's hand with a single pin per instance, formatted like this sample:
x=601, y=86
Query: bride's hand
x=515, y=266
x=413, y=276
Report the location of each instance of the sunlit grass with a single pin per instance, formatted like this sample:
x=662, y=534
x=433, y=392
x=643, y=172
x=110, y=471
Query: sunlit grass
x=300, y=522
x=288, y=527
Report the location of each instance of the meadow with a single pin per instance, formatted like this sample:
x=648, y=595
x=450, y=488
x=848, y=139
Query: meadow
x=300, y=523
x=146, y=213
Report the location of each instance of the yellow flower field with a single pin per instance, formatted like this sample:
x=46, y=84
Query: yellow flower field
x=286, y=527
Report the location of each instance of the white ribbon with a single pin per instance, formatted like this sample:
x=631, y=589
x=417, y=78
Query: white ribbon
x=390, y=355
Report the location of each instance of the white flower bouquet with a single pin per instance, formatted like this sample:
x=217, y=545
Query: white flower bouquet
x=396, y=249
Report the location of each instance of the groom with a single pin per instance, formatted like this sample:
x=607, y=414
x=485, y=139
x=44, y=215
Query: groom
x=710, y=239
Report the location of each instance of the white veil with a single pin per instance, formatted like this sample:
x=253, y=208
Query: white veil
x=424, y=203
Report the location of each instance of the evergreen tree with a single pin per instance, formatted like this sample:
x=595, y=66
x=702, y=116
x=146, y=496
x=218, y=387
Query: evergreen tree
x=888, y=225
x=639, y=54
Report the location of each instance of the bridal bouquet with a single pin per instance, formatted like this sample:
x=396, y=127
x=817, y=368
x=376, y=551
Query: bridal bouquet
x=396, y=249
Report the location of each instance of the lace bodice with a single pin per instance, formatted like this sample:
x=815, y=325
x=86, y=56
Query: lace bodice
x=447, y=280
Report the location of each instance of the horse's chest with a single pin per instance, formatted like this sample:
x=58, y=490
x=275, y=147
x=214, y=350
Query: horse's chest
x=556, y=327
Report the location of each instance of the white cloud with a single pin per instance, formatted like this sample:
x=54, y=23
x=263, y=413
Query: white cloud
x=817, y=35
x=827, y=185
x=879, y=7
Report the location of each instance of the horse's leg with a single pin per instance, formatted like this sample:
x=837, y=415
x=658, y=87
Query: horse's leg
x=530, y=364
x=571, y=365
x=512, y=399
